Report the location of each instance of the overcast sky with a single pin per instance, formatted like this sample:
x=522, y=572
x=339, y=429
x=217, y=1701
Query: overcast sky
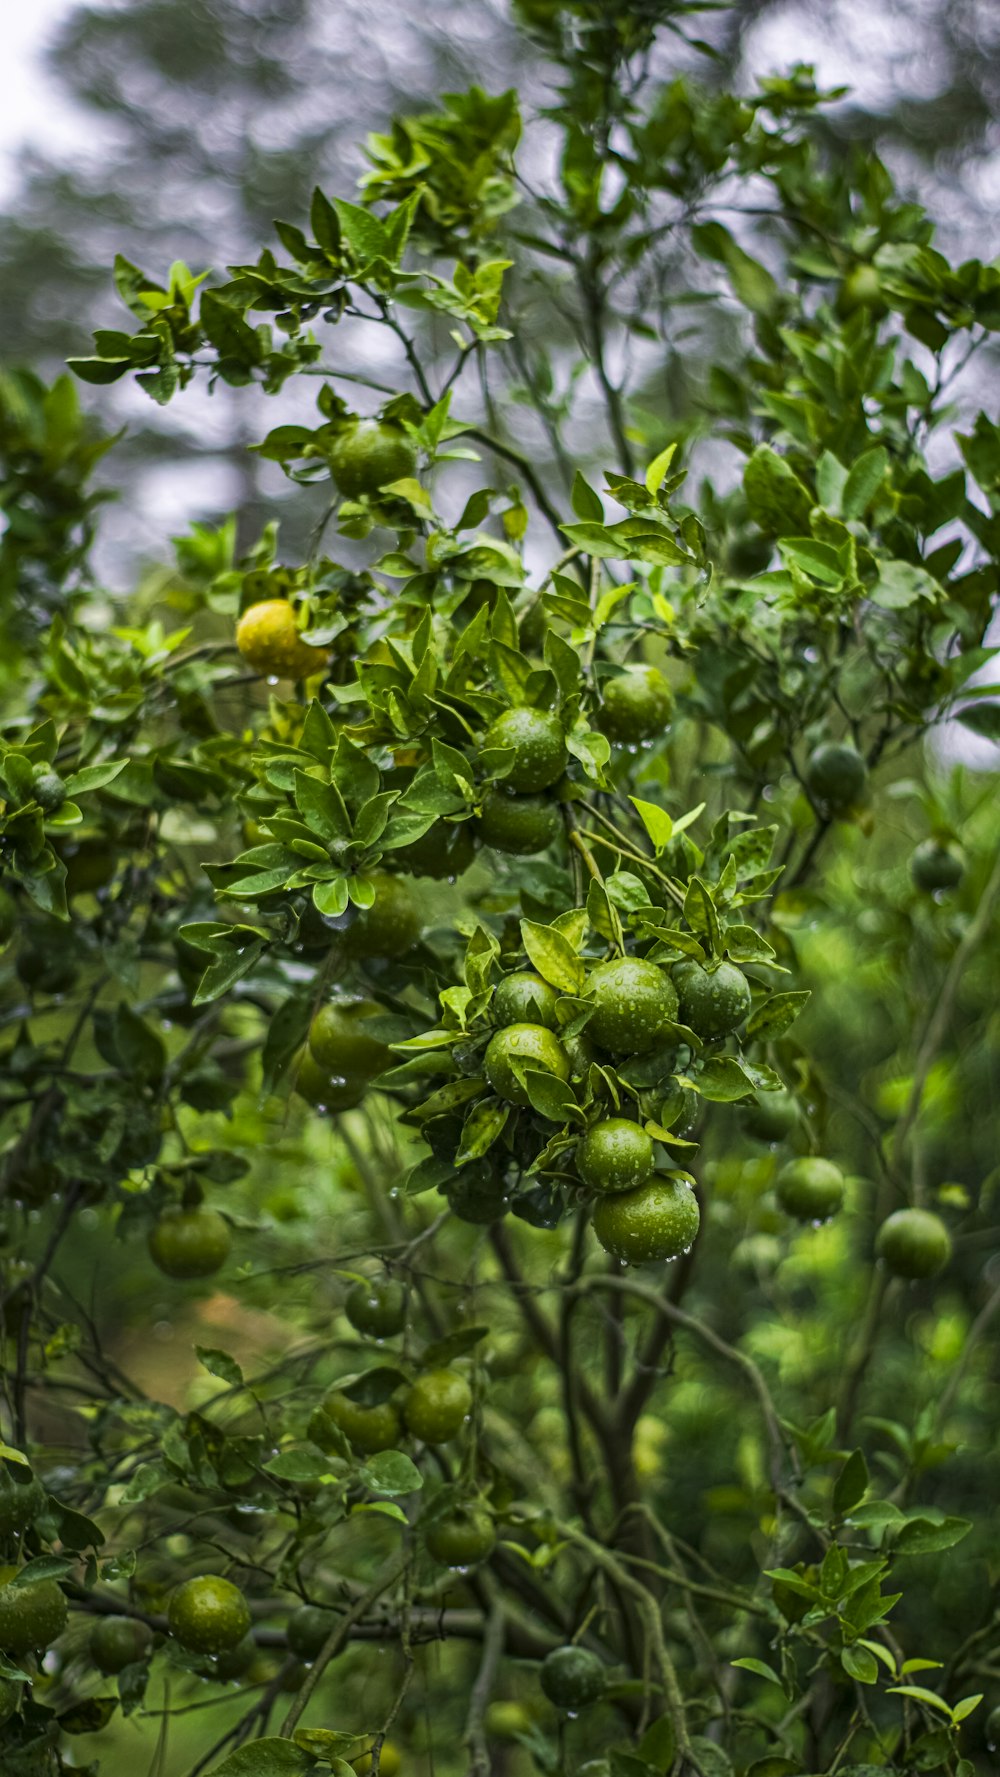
x=30, y=110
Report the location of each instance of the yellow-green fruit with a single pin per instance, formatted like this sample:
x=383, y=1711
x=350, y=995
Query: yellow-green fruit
x=31, y=1617
x=188, y=1243
x=322, y=1090
x=341, y=1045
x=615, y=1155
x=117, y=1642
x=519, y=825
x=658, y=1220
x=270, y=641
x=462, y=1538
x=367, y=455
x=914, y=1243
x=390, y=1761
x=208, y=1615
x=532, y=1047
x=635, y=706
x=506, y=1720
x=634, y=1002
x=861, y=288
x=810, y=1189
x=49, y=791
x=20, y=1503
x=377, y=1308
x=524, y=998
x=711, y=1002
x=369, y=1429
x=437, y=1406
x=390, y=926
x=538, y=743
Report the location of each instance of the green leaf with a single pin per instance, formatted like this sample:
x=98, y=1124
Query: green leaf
x=778, y=501
x=93, y=777
x=391, y=1471
x=553, y=957
x=762, y=1669
x=484, y=1123
x=323, y=807
x=586, y=503
x=965, y=1707
x=860, y=1664
x=266, y=1758
x=851, y=1484
x=43, y=1567
x=821, y=561
x=722, y=1080
x=657, y=472
x=920, y=1695
x=219, y=1363
x=656, y=821
x=775, y=1015
x=658, y=1745
x=927, y=1536
x=550, y=1097
x=863, y=482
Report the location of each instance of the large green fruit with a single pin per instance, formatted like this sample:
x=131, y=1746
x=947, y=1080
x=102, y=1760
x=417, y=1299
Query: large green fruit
x=461, y=1538
x=914, y=1243
x=117, y=1642
x=772, y=1116
x=477, y=1194
x=437, y=1406
x=444, y=852
x=325, y=1092
x=634, y=1002
x=635, y=706
x=539, y=747
x=20, y=1503
x=270, y=641
x=188, y=1243
x=520, y=825
x=377, y=1308
x=31, y=1617
x=657, y=1220
x=711, y=1002
x=836, y=775
x=391, y=925
x=810, y=1189
x=369, y=1429
x=935, y=867
x=533, y=1047
x=341, y=1046
x=367, y=455
x=524, y=998
x=615, y=1155
x=208, y=1615
x=572, y=1677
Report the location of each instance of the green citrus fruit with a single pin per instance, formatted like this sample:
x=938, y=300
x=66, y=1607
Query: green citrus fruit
x=20, y=1503
x=8, y=916
x=505, y=1720
x=270, y=641
x=377, y=1307
x=635, y=706
x=117, y=1642
x=836, y=774
x=322, y=1090
x=444, y=852
x=49, y=791
x=390, y=1761
x=772, y=1116
x=861, y=288
x=462, y=1538
x=49, y=968
x=477, y=1194
x=208, y=1615
x=572, y=1677
x=308, y=1628
x=538, y=743
x=711, y=1002
x=341, y=1046
x=533, y=1047
x=935, y=867
x=914, y=1243
x=31, y=1617
x=232, y=1662
x=520, y=825
x=657, y=1220
x=810, y=1189
x=437, y=1406
x=524, y=998
x=615, y=1155
x=369, y=1429
x=367, y=455
x=634, y=1001
x=190, y=1242
x=391, y=925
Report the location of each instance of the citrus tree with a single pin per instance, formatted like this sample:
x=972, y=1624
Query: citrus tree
x=499, y=1256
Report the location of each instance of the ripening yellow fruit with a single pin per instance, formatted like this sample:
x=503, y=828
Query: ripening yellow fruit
x=269, y=640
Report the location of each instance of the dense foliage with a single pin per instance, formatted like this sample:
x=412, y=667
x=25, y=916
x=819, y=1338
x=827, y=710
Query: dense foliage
x=511, y=993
